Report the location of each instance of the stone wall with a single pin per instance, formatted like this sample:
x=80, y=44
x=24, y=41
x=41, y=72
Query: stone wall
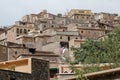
x=40, y=71
x=53, y=47
x=14, y=52
x=3, y=53
x=91, y=33
x=11, y=75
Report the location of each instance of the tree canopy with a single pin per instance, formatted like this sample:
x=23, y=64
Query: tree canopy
x=100, y=51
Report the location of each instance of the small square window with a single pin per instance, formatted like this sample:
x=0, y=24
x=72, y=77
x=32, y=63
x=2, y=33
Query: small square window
x=60, y=37
x=41, y=31
x=81, y=31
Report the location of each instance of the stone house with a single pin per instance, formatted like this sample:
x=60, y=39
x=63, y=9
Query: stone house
x=78, y=14
x=14, y=52
x=59, y=40
x=41, y=40
x=27, y=40
x=91, y=33
x=10, y=51
x=29, y=18
x=87, y=32
x=111, y=19
x=16, y=31
x=105, y=16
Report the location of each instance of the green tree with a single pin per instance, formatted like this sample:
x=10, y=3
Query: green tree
x=94, y=52
x=100, y=51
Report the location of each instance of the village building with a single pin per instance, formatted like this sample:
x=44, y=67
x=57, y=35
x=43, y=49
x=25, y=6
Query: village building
x=107, y=18
x=16, y=31
x=78, y=14
x=86, y=32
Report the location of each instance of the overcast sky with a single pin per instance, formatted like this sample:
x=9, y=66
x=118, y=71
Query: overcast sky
x=13, y=10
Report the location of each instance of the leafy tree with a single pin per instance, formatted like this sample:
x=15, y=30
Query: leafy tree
x=97, y=51
x=100, y=51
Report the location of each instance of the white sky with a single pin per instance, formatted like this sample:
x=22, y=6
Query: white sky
x=13, y=10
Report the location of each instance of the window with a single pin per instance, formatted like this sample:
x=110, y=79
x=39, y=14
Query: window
x=52, y=26
x=25, y=31
x=17, y=30
x=68, y=38
x=60, y=37
x=76, y=38
x=16, y=52
x=28, y=30
x=44, y=26
x=23, y=23
x=23, y=45
x=81, y=31
x=64, y=44
x=41, y=31
x=87, y=17
x=32, y=50
x=20, y=30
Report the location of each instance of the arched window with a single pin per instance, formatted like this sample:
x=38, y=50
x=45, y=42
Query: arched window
x=20, y=30
x=17, y=30
x=25, y=31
